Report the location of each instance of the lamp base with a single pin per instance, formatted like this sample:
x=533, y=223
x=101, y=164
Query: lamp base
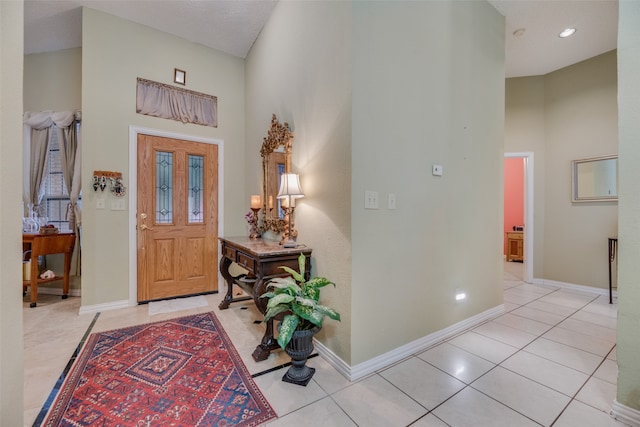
x=289, y=244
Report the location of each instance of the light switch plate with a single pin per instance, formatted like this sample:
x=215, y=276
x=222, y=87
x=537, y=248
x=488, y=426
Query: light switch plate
x=100, y=203
x=370, y=199
x=437, y=170
x=391, y=201
x=117, y=205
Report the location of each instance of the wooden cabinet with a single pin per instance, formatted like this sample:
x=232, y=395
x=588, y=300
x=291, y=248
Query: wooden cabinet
x=515, y=246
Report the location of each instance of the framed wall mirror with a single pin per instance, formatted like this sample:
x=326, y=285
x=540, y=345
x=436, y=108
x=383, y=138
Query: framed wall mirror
x=595, y=179
x=276, y=161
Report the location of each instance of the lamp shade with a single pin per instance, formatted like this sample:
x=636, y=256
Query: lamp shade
x=290, y=186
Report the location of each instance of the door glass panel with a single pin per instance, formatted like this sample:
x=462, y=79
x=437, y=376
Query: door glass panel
x=195, y=184
x=164, y=187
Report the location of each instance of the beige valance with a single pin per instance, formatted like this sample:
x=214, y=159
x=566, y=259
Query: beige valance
x=174, y=103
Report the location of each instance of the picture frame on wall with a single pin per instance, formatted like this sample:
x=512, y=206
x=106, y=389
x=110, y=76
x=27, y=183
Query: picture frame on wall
x=179, y=76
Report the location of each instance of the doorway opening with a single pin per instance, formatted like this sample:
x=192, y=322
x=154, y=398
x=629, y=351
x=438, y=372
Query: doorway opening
x=528, y=229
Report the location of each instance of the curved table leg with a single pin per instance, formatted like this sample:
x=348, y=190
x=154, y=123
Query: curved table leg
x=224, y=270
x=268, y=342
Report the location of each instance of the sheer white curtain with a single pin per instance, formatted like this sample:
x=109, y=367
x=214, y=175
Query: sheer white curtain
x=41, y=126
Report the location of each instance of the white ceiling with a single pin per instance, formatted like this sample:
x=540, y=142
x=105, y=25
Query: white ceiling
x=233, y=25
x=539, y=50
x=227, y=25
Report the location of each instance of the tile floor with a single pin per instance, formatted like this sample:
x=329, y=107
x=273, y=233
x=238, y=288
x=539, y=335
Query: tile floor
x=549, y=361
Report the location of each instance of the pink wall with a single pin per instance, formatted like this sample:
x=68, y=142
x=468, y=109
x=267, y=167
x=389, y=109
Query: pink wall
x=513, y=194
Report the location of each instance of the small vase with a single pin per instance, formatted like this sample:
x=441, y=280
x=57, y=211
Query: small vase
x=299, y=349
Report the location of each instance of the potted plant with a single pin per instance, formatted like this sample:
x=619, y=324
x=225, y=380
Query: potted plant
x=298, y=300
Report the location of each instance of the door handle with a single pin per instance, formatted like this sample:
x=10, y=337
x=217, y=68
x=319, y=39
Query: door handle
x=143, y=226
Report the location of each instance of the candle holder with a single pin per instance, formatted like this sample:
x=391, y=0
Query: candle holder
x=254, y=232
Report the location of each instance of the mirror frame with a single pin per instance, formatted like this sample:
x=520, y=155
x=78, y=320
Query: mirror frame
x=575, y=190
x=276, y=149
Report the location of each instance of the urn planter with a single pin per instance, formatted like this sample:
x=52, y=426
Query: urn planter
x=299, y=349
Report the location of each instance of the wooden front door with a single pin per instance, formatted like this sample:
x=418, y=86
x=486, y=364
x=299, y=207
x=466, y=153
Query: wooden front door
x=177, y=218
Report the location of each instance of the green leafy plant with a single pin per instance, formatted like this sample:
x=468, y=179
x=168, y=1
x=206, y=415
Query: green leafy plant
x=299, y=300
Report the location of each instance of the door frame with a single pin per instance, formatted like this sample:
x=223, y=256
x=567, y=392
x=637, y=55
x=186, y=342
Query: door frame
x=528, y=212
x=132, y=191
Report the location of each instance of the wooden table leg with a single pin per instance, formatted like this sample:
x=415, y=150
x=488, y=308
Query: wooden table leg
x=65, y=277
x=34, y=281
x=224, y=270
x=267, y=344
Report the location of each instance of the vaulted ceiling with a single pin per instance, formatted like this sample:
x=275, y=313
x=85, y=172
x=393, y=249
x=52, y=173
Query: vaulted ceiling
x=532, y=26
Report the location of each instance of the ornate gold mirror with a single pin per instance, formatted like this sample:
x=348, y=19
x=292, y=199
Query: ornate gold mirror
x=276, y=160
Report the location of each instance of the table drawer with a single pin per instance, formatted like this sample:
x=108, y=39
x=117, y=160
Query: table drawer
x=246, y=261
x=229, y=253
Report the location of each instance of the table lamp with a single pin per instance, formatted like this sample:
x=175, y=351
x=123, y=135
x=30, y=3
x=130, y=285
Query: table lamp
x=289, y=191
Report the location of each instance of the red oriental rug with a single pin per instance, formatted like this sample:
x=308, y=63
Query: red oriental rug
x=179, y=372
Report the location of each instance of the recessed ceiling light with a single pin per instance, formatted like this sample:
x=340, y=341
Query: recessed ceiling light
x=567, y=32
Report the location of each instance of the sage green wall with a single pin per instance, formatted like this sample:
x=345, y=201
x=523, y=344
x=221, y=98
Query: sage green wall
x=53, y=80
x=300, y=69
x=115, y=52
x=628, y=340
x=373, y=103
x=581, y=121
x=565, y=115
x=11, y=340
x=428, y=87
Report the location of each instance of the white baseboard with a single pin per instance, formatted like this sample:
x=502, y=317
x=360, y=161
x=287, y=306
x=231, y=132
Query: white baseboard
x=104, y=307
x=573, y=287
x=333, y=359
x=626, y=415
x=353, y=373
x=57, y=291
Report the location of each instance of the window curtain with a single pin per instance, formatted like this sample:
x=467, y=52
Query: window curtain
x=41, y=125
x=70, y=155
x=170, y=102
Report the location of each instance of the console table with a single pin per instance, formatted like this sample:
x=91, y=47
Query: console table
x=262, y=259
x=47, y=244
